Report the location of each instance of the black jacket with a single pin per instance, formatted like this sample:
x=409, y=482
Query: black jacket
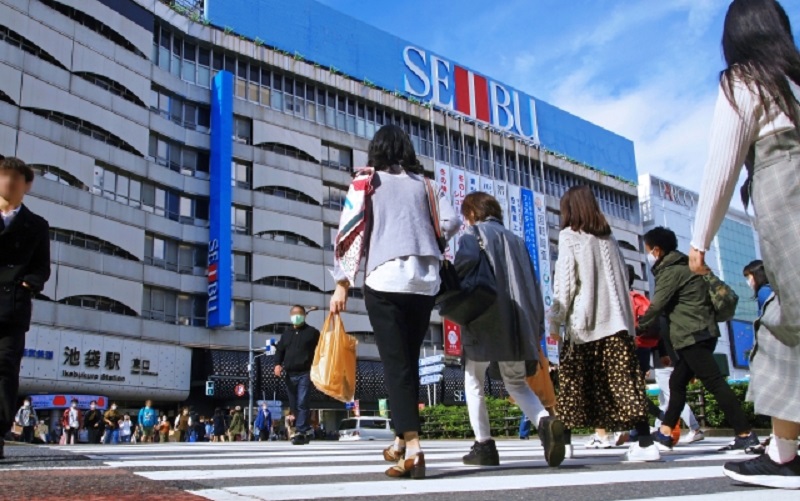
x=24, y=257
x=295, y=350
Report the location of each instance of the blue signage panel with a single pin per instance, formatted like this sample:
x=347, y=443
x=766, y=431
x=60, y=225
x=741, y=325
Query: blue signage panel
x=317, y=33
x=220, y=241
x=742, y=338
x=529, y=229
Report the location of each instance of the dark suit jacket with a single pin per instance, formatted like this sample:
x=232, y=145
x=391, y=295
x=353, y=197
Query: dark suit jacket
x=24, y=257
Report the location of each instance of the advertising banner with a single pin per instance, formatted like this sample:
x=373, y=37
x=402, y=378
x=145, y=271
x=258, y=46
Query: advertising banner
x=487, y=185
x=63, y=400
x=515, y=211
x=452, y=338
x=445, y=190
x=473, y=183
x=459, y=184
x=501, y=194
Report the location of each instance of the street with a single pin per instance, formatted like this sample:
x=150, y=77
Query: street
x=332, y=470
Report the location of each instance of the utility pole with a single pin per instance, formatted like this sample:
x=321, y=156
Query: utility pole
x=250, y=372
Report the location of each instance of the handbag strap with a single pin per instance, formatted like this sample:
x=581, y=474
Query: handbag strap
x=433, y=208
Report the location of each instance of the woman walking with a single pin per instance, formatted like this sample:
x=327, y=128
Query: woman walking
x=507, y=333
x=600, y=380
x=387, y=219
x=219, y=426
x=756, y=123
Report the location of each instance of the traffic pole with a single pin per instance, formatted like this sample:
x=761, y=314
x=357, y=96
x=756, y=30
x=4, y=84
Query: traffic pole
x=250, y=374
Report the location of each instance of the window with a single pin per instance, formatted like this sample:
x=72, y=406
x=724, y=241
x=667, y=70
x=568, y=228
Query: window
x=241, y=174
x=13, y=38
x=241, y=315
x=241, y=219
x=288, y=193
x=288, y=238
x=337, y=157
x=241, y=266
x=288, y=283
x=111, y=86
x=172, y=255
x=58, y=175
x=98, y=303
x=242, y=130
x=173, y=307
x=333, y=197
x=86, y=128
x=188, y=114
x=78, y=239
x=178, y=157
x=287, y=150
x=276, y=328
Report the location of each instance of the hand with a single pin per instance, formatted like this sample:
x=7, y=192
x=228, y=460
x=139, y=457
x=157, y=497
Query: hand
x=556, y=336
x=27, y=285
x=697, y=262
x=278, y=370
x=339, y=299
x=666, y=361
x=647, y=375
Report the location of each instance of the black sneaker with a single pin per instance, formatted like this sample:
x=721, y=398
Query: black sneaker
x=483, y=454
x=551, y=431
x=663, y=442
x=740, y=444
x=299, y=439
x=765, y=472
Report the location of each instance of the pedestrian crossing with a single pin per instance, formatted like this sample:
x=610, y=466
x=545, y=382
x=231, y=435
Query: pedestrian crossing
x=332, y=470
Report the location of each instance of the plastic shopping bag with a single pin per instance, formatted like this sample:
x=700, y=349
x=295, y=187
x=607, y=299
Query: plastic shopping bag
x=334, y=369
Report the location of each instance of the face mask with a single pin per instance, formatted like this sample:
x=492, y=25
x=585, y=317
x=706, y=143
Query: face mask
x=27, y=404
x=92, y=406
x=74, y=406
x=113, y=407
x=298, y=320
x=751, y=283
x=651, y=259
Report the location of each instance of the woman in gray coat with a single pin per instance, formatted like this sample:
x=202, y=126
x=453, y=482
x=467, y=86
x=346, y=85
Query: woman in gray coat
x=508, y=332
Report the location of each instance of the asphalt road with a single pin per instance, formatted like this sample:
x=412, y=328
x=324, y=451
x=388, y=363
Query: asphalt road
x=333, y=470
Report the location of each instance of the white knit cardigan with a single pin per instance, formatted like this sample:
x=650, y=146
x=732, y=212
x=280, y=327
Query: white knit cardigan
x=590, y=288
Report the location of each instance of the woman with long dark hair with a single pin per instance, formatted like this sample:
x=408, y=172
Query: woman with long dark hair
x=756, y=123
x=600, y=381
x=388, y=219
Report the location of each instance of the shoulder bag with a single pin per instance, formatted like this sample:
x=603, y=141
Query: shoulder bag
x=450, y=283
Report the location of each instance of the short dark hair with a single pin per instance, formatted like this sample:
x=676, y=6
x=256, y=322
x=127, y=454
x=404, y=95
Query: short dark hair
x=17, y=165
x=298, y=307
x=74, y=401
x=581, y=212
x=392, y=146
x=93, y=402
x=482, y=206
x=631, y=275
x=759, y=274
x=663, y=238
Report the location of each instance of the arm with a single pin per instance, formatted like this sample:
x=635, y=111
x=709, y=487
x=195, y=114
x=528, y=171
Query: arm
x=564, y=285
x=38, y=272
x=468, y=255
x=732, y=134
x=666, y=288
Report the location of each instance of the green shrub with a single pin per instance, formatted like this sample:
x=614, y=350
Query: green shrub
x=714, y=416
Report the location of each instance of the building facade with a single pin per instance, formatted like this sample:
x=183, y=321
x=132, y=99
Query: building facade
x=736, y=245
x=111, y=101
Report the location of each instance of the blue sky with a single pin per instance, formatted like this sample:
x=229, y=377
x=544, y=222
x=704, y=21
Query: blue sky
x=645, y=69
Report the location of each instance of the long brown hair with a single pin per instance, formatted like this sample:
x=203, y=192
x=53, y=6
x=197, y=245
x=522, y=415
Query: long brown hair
x=581, y=212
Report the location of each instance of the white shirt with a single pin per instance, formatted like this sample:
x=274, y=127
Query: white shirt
x=8, y=217
x=125, y=427
x=409, y=275
x=73, y=418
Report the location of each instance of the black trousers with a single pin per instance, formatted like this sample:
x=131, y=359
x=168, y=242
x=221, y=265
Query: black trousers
x=72, y=433
x=698, y=360
x=400, y=323
x=12, y=346
x=95, y=434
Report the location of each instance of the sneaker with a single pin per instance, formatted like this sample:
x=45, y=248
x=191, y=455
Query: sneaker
x=300, y=439
x=551, y=431
x=483, y=454
x=597, y=442
x=638, y=454
x=739, y=444
x=695, y=436
x=663, y=442
x=765, y=472
x=621, y=438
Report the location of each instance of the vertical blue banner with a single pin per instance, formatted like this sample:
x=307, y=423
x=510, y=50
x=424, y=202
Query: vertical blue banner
x=529, y=228
x=220, y=241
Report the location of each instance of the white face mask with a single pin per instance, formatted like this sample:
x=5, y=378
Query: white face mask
x=74, y=406
x=651, y=259
x=751, y=282
x=27, y=404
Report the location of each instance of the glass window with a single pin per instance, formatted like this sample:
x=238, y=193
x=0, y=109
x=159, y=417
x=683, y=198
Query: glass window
x=241, y=266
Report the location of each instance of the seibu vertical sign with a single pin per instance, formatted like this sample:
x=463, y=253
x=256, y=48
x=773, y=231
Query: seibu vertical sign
x=220, y=258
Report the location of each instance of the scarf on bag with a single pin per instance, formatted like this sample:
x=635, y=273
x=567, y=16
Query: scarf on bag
x=350, y=241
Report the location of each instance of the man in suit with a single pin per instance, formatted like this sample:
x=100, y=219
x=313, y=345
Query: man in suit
x=24, y=269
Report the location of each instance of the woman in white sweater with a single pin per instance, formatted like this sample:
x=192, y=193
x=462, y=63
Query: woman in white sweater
x=757, y=123
x=600, y=381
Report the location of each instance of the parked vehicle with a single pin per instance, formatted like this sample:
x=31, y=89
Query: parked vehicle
x=366, y=428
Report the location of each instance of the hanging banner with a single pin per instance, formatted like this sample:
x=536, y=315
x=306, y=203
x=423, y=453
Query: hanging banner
x=473, y=183
x=487, y=185
x=459, y=187
x=501, y=194
x=543, y=264
x=515, y=211
x=452, y=338
x=444, y=186
x=529, y=228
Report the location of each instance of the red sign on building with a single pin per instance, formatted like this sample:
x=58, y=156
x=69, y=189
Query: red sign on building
x=452, y=339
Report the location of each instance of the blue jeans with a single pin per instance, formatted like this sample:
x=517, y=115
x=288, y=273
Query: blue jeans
x=111, y=437
x=297, y=386
x=524, y=427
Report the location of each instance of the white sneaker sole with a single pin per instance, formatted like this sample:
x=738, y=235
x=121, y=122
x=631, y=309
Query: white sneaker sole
x=649, y=459
x=774, y=481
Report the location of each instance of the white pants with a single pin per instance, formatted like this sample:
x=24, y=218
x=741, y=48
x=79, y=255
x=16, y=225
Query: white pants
x=513, y=374
x=662, y=380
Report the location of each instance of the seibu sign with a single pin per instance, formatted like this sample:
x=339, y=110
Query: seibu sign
x=676, y=194
x=447, y=85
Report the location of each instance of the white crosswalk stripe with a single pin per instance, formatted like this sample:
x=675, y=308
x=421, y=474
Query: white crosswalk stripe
x=325, y=470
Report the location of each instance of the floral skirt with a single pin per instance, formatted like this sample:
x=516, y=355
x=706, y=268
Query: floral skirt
x=601, y=385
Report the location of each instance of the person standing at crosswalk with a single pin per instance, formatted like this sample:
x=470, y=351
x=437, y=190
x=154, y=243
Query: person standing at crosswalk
x=508, y=332
x=388, y=216
x=600, y=379
x=263, y=424
x=293, y=358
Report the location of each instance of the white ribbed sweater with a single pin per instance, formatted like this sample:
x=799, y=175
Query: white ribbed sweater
x=590, y=288
x=732, y=134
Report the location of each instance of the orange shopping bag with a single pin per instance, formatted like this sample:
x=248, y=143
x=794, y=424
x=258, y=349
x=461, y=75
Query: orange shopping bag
x=334, y=369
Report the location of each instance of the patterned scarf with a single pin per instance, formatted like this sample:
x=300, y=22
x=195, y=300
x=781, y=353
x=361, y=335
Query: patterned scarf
x=351, y=239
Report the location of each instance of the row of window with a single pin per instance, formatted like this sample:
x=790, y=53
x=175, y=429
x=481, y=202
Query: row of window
x=86, y=128
x=612, y=203
x=84, y=241
x=188, y=114
x=179, y=157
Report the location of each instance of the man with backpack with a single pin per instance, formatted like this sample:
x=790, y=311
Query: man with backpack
x=693, y=305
